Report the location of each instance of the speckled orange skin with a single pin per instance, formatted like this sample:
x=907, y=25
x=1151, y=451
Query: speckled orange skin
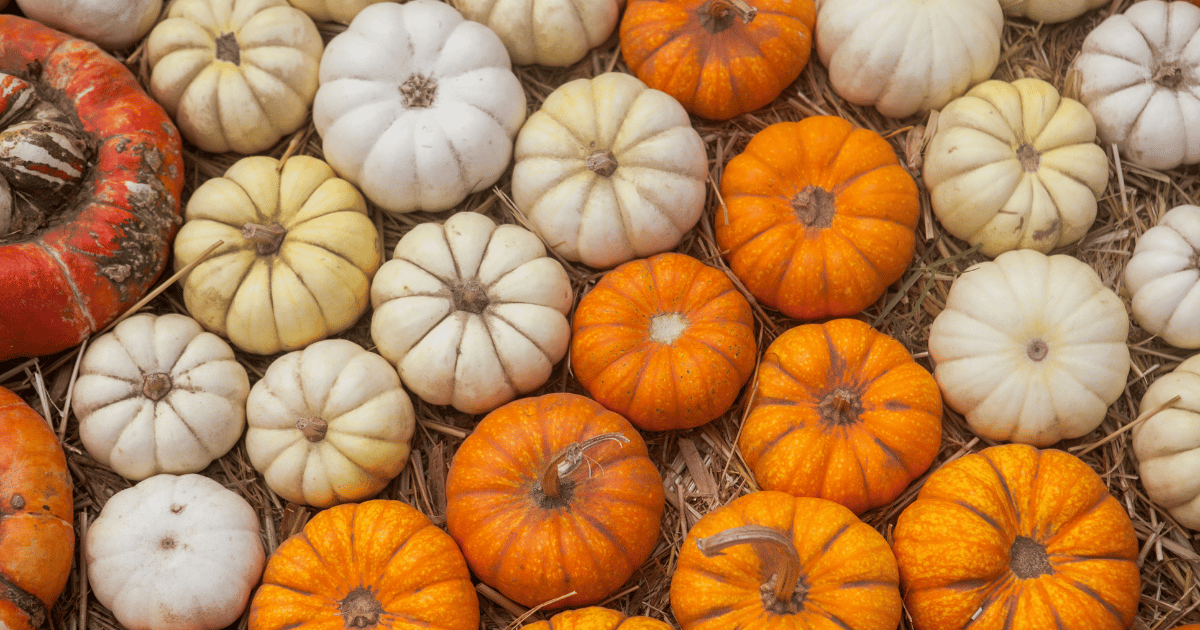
x=410, y=566
x=719, y=69
x=794, y=438
x=954, y=545
x=112, y=238
x=657, y=385
x=597, y=618
x=824, y=259
x=847, y=579
x=37, y=535
x=532, y=550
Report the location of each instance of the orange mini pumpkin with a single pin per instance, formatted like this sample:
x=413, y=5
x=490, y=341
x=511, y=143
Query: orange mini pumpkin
x=842, y=412
x=37, y=535
x=597, y=618
x=819, y=217
x=553, y=494
x=1017, y=537
x=667, y=342
x=719, y=58
x=769, y=561
x=378, y=564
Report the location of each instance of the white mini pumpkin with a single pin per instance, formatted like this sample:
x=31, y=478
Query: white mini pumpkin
x=1014, y=165
x=417, y=106
x=471, y=313
x=333, y=10
x=236, y=75
x=1050, y=11
x=1167, y=443
x=609, y=170
x=329, y=424
x=1163, y=278
x=907, y=56
x=1030, y=348
x=1138, y=73
x=546, y=32
x=175, y=553
x=112, y=25
x=159, y=395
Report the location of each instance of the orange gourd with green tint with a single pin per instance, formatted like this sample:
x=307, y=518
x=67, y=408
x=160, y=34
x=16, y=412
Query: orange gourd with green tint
x=667, y=342
x=37, y=535
x=819, y=217
x=1015, y=537
x=842, y=412
x=719, y=58
x=771, y=561
x=597, y=618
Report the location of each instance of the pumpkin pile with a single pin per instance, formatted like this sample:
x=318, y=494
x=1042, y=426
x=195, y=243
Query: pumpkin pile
x=621, y=314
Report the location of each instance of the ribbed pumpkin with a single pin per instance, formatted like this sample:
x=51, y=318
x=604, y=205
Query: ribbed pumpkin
x=819, y=217
x=771, y=561
x=666, y=342
x=379, y=564
x=37, y=535
x=553, y=494
x=597, y=618
x=1017, y=537
x=842, y=412
x=719, y=58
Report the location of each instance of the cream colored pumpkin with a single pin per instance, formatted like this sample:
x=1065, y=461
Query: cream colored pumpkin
x=175, y=553
x=1030, y=348
x=236, y=75
x=1163, y=278
x=907, y=56
x=1138, y=73
x=329, y=424
x=333, y=10
x=417, y=106
x=159, y=395
x=609, y=170
x=471, y=313
x=546, y=32
x=112, y=25
x=297, y=257
x=1167, y=443
x=1051, y=11
x=1014, y=165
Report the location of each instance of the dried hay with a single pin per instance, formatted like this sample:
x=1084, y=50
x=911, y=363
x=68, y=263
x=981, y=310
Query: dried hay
x=701, y=467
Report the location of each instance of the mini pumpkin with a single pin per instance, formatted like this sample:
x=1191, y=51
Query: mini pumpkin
x=770, y=560
x=1030, y=348
x=609, y=170
x=471, y=313
x=333, y=10
x=819, y=217
x=1166, y=442
x=557, y=33
x=328, y=424
x=159, y=395
x=378, y=564
x=667, y=341
x=1017, y=537
x=1051, y=11
x=1163, y=278
x=842, y=412
x=554, y=494
x=297, y=256
x=112, y=25
x=1014, y=165
x=719, y=58
x=597, y=618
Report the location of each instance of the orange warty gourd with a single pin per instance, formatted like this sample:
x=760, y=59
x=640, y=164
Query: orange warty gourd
x=1021, y=538
x=553, y=494
x=37, y=534
x=597, y=618
x=842, y=412
x=378, y=564
x=667, y=342
x=771, y=561
x=719, y=58
x=819, y=217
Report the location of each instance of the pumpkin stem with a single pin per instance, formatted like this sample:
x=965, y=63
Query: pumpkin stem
x=815, y=207
x=1169, y=76
x=227, y=49
x=470, y=296
x=1037, y=350
x=1028, y=559
x=418, y=91
x=1029, y=157
x=266, y=238
x=665, y=328
x=313, y=429
x=603, y=163
x=567, y=460
x=156, y=385
x=717, y=15
x=782, y=589
x=360, y=609
x=841, y=407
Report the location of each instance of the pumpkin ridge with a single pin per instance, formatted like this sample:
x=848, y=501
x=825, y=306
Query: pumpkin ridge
x=597, y=525
x=69, y=277
x=1002, y=480
x=1099, y=599
x=984, y=516
x=1047, y=537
